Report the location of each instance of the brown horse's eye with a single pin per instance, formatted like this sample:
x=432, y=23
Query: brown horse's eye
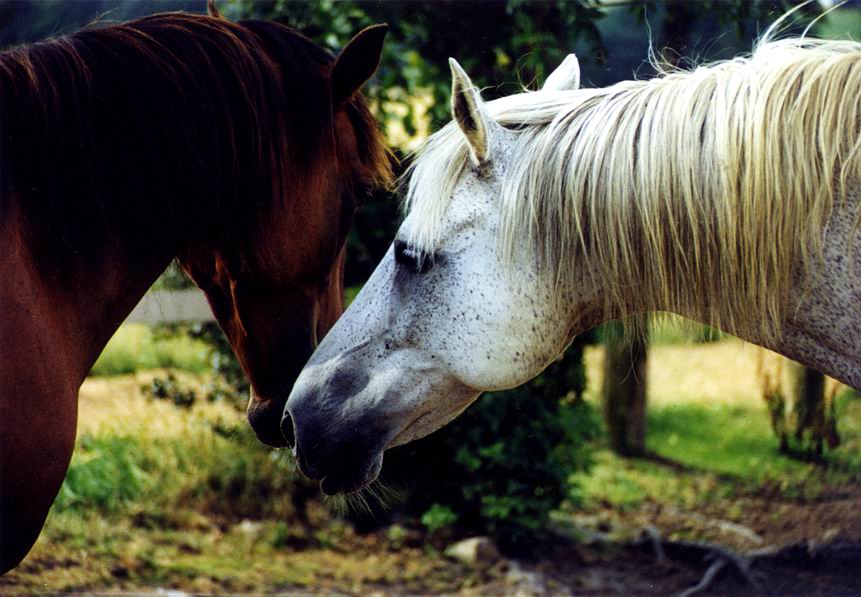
x=412, y=259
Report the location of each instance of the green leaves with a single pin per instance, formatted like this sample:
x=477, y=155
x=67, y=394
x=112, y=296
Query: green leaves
x=438, y=517
x=499, y=43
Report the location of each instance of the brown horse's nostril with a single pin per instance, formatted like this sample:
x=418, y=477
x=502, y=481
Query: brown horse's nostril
x=287, y=430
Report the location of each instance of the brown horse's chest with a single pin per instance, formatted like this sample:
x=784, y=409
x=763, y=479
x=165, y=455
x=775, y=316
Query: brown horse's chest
x=38, y=399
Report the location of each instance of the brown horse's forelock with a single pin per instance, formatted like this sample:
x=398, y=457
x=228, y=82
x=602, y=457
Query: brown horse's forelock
x=167, y=128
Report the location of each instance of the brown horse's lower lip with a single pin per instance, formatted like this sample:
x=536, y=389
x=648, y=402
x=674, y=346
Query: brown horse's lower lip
x=264, y=416
x=269, y=434
x=272, y=440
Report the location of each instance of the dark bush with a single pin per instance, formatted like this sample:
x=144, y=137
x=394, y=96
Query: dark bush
x=169, y=388
x=505, y=464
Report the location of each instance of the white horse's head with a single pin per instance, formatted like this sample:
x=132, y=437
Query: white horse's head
x=535, y=217
x=436, y=324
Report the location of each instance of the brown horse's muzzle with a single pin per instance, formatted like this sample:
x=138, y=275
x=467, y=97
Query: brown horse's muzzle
x=264, y=416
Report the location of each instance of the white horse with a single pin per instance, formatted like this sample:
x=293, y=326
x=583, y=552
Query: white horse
x=728, y=194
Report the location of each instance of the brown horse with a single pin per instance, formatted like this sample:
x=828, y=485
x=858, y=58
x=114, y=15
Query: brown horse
x=242, y=149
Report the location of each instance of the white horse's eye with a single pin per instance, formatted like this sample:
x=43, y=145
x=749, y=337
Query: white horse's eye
x=413, y=259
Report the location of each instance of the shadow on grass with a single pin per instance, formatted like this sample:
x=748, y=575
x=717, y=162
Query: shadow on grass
x=674, y=465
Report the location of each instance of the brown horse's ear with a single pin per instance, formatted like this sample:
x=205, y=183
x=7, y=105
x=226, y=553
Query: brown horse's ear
x=357, y=62
x=212, y=9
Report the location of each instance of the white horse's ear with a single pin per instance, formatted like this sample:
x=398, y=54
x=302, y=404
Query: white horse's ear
x=565, y=77
x=468, y=111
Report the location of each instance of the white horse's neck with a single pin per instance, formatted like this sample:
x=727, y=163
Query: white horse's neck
x=822, y=325
x=822, y=329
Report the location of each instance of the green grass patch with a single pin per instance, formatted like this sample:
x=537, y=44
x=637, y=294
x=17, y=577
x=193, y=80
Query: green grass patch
x=136, y=347
x=720, y=439
x=220, y=470
x=717, y=451
x=840, y=24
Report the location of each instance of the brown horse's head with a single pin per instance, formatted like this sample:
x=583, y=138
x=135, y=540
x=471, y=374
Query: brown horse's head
x=242, y=149
x=277, y=288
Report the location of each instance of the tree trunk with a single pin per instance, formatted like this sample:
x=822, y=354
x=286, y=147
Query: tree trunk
x=624, y=391
x=814, y=419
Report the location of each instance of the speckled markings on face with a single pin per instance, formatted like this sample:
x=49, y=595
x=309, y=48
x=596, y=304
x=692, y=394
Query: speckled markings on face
x=430, y=343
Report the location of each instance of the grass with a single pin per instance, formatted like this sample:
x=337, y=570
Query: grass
x=842, y=24
x=135, y=347
x=132, y=450
x=194, y=553
x=709, y=432
x=187, y=498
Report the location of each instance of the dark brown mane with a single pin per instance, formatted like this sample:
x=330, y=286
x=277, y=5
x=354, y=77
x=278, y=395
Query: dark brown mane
x=168, y=127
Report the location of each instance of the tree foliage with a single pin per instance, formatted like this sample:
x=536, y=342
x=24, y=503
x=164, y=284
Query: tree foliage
x=497, y=42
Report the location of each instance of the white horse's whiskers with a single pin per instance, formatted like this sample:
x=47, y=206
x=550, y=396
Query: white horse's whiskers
x=377, y=495
x=697, y=191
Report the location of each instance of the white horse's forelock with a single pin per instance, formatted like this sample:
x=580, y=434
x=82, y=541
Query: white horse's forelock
x=698, y=190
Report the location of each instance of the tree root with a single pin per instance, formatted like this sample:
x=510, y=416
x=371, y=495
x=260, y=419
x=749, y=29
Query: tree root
x=696, y=552
x=739, y=564
x=804, y=554
x=707, y=579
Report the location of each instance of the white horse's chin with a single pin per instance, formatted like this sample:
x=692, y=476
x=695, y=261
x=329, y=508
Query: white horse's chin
x=353, y=481
x=428, y=422
x=418, y=428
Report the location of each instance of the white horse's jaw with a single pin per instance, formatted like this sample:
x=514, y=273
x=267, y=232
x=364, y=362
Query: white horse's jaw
x=346, y=415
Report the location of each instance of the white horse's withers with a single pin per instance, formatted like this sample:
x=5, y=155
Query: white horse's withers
x=728, y=194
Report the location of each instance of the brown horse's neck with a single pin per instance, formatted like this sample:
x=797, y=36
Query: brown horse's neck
x=73, y=315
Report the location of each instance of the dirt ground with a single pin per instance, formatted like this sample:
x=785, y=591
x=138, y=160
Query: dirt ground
x=567, y=570
x=804, y=549
x=811, y=548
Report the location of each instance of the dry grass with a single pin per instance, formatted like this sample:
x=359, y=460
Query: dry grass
x=116, y=405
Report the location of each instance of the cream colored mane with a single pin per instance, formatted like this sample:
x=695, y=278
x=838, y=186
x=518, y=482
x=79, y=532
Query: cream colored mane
x=694, y=191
